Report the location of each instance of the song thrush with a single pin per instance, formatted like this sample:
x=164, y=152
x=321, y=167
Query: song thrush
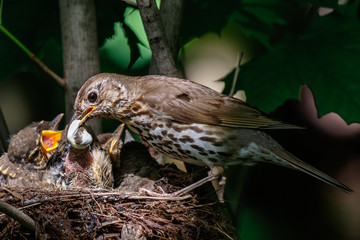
x=190, y=122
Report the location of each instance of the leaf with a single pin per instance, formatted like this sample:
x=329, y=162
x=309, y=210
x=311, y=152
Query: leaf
x=228, y=80
x=201, y=17
x=107, y=14
x=259, y=19
x=325, y=58
x=134, y=44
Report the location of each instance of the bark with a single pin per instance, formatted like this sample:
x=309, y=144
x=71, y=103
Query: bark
x=171, y=12
x=80, y=48
x=155, y=31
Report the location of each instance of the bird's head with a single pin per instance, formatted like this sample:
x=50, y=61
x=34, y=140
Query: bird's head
x=103, y=95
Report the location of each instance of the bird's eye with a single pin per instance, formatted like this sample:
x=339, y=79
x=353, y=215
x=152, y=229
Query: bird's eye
x=92, y=97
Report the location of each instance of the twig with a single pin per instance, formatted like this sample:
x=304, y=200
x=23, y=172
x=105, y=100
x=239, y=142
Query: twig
x=155, y=33
x=93, y=198
x=126, y=195
x=19, y=216
x=181, y=198
x=59, y=80
x=15, y=194
x=104, y=224
x=224, y=233
x=236, y=74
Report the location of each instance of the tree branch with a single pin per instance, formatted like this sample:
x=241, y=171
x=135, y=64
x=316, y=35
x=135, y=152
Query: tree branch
x=21, y=217
x=59, y=80
x=236, y=74
x=80, y=49
x=161, y=53
x=171, y=12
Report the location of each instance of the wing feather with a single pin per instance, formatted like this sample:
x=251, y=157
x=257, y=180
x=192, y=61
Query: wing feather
x=189, y=102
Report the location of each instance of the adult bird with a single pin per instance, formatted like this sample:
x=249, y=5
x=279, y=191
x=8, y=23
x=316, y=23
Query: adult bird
x=190, y=122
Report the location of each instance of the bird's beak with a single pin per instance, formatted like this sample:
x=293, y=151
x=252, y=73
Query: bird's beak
x=85, y=114
x=49, y=140
x=56, y=121
x=116, y=139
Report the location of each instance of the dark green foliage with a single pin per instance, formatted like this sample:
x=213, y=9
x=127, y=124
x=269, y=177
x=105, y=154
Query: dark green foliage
x=37, y=25
x=324, y=55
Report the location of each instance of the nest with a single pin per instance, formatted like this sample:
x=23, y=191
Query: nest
x=100, y=214
x=120, y=213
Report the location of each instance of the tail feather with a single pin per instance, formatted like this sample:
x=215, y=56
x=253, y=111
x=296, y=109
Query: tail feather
x=296, y=163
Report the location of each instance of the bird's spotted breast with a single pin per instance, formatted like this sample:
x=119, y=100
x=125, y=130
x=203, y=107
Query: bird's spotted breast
x=195, y=143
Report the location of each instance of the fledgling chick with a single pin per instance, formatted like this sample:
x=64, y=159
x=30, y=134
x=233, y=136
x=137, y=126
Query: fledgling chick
x=35, y=143
x=15, y=175
x=29, y=150
x=86, y=164
x=112, y=144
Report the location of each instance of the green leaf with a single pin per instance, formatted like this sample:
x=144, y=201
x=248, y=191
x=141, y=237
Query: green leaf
x=325, y=58
x=134, y=44
x=228, y=80
x=201, y=17
x=259, y=19
x=107, y=14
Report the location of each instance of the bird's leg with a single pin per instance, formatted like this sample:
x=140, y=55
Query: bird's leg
x=213, y=174
x=219, y=187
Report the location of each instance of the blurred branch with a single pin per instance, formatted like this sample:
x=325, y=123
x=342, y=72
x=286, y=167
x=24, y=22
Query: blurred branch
x=21, y=217
x=1, y=8
x=236, y=74
x=4, y=133
x=161, y=52
x=60, y=81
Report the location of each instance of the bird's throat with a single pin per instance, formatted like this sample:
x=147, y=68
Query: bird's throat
x=82, y=157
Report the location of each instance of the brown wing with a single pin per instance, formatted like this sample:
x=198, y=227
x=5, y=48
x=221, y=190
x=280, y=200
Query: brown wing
x=189, y=102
